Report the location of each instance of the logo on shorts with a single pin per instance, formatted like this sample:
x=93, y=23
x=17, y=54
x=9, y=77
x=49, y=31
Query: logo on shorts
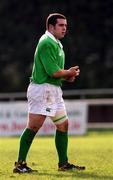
x=48, y=109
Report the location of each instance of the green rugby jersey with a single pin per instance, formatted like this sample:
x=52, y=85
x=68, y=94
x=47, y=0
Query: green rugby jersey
x=49, y=58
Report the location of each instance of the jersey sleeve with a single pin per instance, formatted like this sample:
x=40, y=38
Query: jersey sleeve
x=49, y=60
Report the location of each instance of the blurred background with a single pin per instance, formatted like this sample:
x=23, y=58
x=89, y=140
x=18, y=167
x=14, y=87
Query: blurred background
x=88, y=43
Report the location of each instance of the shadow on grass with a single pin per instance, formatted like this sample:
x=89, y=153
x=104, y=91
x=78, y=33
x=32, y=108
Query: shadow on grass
x=71, y=174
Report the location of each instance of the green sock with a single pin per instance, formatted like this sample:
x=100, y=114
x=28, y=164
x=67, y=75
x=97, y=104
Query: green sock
x=61, y=142
x=25, y=143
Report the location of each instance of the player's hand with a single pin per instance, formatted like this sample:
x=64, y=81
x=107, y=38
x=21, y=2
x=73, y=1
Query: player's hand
x=75, y=71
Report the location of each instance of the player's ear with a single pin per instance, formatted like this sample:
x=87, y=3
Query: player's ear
x=51, y=27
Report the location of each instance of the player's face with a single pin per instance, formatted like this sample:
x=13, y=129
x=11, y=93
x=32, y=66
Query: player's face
x=59, y=30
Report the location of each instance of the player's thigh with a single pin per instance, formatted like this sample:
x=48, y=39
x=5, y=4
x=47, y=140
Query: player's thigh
x=35, y=121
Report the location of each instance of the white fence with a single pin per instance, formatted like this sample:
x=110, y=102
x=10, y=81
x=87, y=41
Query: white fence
x=13, y=112
x=13, y=117
x=81, y=93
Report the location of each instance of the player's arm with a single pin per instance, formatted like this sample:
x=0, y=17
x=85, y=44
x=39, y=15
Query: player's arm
x=69, y=74
x=48, y=59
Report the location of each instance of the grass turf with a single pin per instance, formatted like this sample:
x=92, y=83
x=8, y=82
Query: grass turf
x=94, y=150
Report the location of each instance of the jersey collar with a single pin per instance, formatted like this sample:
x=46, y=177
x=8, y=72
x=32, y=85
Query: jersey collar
x=53, y=38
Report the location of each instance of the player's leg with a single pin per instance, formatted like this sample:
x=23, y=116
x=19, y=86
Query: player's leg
x=61, y=142
x=61, y=136
x=33, y=125
x=60, y=119
x=36, y=117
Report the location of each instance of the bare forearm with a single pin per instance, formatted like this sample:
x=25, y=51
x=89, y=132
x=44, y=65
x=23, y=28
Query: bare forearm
x=62, y=74
x=73, y=71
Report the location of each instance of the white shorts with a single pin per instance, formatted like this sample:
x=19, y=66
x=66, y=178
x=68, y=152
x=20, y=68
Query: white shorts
x=46, y=99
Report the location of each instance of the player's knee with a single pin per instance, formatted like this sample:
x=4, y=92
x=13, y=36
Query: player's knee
x=66, y=126
x=63, y=127
x=35, y=122
x=34, y=127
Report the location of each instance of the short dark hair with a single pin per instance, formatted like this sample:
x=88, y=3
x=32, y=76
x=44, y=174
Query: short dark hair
x=52, y=19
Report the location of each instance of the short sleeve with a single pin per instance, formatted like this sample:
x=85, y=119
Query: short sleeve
x=49, y=59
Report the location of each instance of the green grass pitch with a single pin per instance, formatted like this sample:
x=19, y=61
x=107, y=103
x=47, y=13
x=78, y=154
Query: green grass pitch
x=94, y=150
